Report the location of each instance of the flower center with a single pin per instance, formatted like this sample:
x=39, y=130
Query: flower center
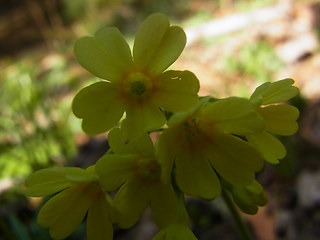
x=192, y=127
x=137, y=85
x=148, y=168
x=198, y=132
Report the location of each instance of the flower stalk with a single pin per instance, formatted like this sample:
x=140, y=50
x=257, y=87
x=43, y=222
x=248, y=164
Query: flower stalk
x=237, y=219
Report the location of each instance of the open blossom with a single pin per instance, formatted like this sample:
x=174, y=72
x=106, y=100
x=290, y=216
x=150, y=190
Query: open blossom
x=79, y=194
x=137, y=83
x=133, y=171
x=280, y=118
x=200, y=146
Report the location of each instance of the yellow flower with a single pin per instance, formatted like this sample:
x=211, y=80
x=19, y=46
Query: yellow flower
x=134, y=172
x=136, y=83
x=280, y=119
x=200, y=146
x=79, y=194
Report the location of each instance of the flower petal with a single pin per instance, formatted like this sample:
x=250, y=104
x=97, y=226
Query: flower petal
x=99, y=106
x=180, y=117
x=148, y=38
x=249, y=198
x=48, y=181
x=163, y=197
x=269, y=146
x=275, y=92
x=195, y=176
x=172, y=45
x=176, y=90
x=107, y=56
x=120, y=144
x=119, y=52
x=280, y=119
x=166, y=152
x=233, y=115
x=99, y=226
x=115, y=169
x=130, y=202
x=157, y=45
x=234, y=159
x=64, y=212
x=175, y=231
x=142, y=118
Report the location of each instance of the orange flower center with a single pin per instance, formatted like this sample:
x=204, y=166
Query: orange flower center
x=148, y=168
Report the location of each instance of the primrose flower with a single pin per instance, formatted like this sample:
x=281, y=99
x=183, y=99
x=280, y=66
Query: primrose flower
x=134, y=170
x=200, y=146
x=79, y=194
x=136, y=83
x=280, y=118
x=248, y=198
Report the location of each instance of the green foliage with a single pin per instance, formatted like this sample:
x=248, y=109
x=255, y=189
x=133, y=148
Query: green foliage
x=245, y=5
x=34, y=126
x=208, y=147
x=254, y=59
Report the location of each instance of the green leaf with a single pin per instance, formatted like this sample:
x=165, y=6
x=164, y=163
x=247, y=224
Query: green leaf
x=280, y=119
x=269, y=146
x=100, y=107
x=177, y=90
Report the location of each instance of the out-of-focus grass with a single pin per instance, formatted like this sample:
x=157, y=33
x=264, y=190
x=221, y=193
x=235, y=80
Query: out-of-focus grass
x=257, y=60
x=245, y=5
x=36, y=126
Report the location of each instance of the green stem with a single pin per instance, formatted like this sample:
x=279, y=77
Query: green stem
x=238, y=221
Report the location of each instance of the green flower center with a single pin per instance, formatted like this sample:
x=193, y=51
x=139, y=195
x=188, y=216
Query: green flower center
x=137, y=85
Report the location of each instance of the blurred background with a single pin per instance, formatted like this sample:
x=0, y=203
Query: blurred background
x=233, y=46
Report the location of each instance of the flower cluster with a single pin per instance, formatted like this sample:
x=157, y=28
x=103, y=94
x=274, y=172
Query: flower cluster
x=206, y=146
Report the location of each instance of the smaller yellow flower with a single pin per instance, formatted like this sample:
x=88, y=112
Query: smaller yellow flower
x=280, y=118
x=200, y=146
x=80, y=194
x=133, y=171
